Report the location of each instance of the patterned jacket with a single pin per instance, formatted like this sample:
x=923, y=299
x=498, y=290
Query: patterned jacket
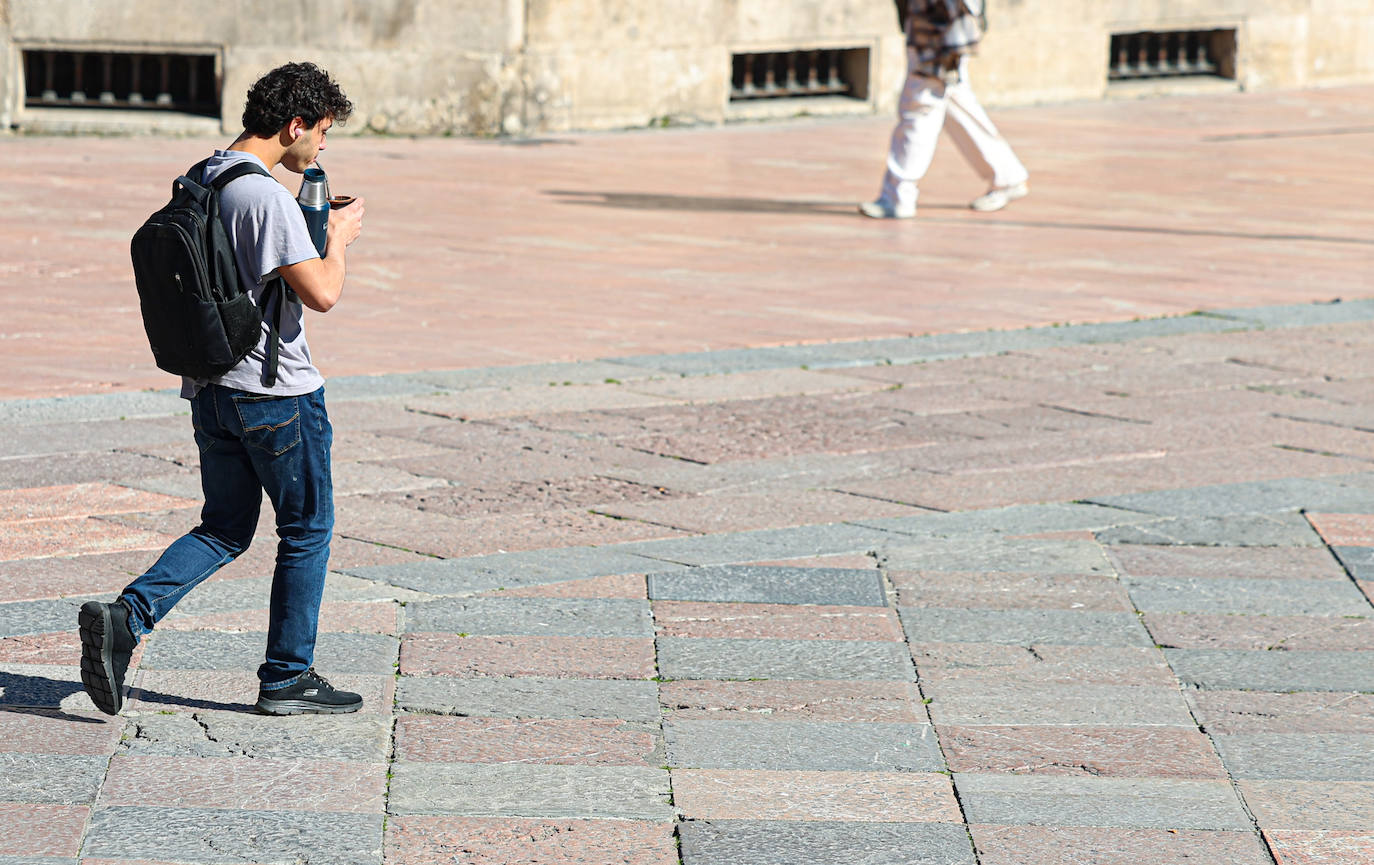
x=941, y=31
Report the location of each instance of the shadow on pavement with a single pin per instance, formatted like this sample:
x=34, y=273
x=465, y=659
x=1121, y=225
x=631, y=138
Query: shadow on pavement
x=39, y=695
x=710, y=203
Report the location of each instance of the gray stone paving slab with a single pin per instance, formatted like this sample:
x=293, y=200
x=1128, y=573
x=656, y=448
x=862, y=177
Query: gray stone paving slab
x=1358, y=561
x=1010, y=703
x=478, y=574
x=1023, y=627
x=22, y=440
x=51, y=779
x=1256, y=597
x=1125, y=331
x=42, y=686
x=1013, y=520
x=391, y=386
x=997, y=553
x=254, y=593
x=529, y=698
x=214, y=650
x=38, y=617
x=359, y=738
x=80, y=468
x=1223, y=669
x=105, y=406
x=1253, y=497
x=807, y=660
x=525, y=375
x=771, y=585
x=1242, y=530
x=1302, y=314
x=564, y=617
x=1298, y=756
x=1135, y=803
x=788, y=842
x=522, y=790
x=829, y=539
x=36, y=860
x=220, y=835
x=798, y=745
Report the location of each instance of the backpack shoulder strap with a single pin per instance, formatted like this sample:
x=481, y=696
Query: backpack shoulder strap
x=234, y=172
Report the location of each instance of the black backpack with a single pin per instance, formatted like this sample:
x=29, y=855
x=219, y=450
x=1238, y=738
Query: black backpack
x=200, y=322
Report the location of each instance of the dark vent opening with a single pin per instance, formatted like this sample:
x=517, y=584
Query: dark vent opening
x=1172, y=54
x=794, y=74
x=186, y=83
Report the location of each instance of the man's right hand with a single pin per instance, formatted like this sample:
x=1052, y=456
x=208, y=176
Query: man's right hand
x=346, y=223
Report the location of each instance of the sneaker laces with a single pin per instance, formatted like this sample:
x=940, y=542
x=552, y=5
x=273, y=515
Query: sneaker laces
x=310, y=673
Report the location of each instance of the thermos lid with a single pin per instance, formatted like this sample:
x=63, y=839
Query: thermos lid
x=314, y=189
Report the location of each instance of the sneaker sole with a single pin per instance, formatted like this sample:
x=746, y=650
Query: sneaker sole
x=304, y=707
x=97, y=657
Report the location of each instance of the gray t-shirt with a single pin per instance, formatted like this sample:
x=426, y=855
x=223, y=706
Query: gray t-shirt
x=267, y=231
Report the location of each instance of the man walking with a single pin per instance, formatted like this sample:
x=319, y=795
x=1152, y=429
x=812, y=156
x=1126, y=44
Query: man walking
x=941, y=34
x=262, y=426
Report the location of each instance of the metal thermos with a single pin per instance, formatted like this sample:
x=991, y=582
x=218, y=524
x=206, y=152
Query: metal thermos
x=314, y=201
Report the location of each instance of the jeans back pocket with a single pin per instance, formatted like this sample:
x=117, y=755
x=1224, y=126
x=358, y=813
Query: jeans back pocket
x=270, y=423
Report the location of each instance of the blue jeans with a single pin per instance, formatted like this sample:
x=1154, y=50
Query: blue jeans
x=250, y=443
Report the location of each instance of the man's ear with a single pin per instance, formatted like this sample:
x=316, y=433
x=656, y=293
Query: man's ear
x=297, y=128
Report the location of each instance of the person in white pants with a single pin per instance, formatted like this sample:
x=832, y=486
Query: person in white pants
x=940, y=35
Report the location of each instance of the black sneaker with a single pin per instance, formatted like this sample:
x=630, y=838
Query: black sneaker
x=310, y=694
x=106, y=646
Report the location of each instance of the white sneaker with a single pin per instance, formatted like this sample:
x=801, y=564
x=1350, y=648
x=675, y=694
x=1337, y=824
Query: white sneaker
x=883, y=209
x=1000, y=197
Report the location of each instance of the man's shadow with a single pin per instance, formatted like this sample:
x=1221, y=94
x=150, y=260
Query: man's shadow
x=39, y=695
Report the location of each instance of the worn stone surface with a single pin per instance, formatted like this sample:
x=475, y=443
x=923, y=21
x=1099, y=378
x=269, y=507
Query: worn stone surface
x=517, y=790
x=1296, y=847
x=1298, y=756
x=362, y=738
x=1129, y=803
x=1074, y=845
x=752, y=584
x=1225, y=712
x=217, y=834
x=50, y=779
x=209, y=650
x=1289, y=804
x=422, y=840
x=1214, y=669
x=1236, y=530
x=775, y=621
x=33, y=832
x=508, y=570
x=529, y=698
x=552, y=657
x=1023, y=627
x=998, y=553
x=1000, y=590
x=427, y=739
x=700, y=658
x=858, y=797
x=565, y=617
x=1016, y=702
x=1275, y=563
x=793, y=701
x=1248, y=596
x=1263, y=632
x=795, y=745
x=1174, y=752
x=768, y=842
x=303, y=784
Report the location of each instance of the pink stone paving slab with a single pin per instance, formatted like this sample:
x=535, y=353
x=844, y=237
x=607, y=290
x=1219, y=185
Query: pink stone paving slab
x=1009, y=591
x=558, y=657
x=191, y=690
x=514, y=841
x=1145, y=560
x=1293, y=847
x=1042, y=665
x=1201, y=631
x=1227, y=712
x=78, y=500
x=54, y=577
x=498, y=740
x=473, y=497
x=483, y=403
x=1120, y=752
x=246, y=783
x=346, y=551
x=371, y=617
x=1344, y=530
x=60, y=648
x=616, y=586
x=775, y=621
x=896, y=702
x=736, y=513
x=58, y=733
x=75, y=536
x=1054, y=845
x=439, y=535
x=33, y=830
x=884, y=797
x=1310, y=804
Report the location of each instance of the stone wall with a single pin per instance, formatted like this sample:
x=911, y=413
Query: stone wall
x=525, y=66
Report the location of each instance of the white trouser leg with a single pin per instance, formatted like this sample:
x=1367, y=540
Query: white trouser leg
x=978, y=139
x=921, y=114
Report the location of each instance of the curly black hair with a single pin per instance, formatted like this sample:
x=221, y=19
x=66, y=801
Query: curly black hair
x=293, y=90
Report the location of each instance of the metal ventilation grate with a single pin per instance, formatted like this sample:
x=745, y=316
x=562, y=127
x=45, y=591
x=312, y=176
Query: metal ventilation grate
x=187, y=83
x=790, y=74
x=1172, y=54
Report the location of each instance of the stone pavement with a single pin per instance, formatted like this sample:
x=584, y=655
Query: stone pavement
x=1090, y=594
